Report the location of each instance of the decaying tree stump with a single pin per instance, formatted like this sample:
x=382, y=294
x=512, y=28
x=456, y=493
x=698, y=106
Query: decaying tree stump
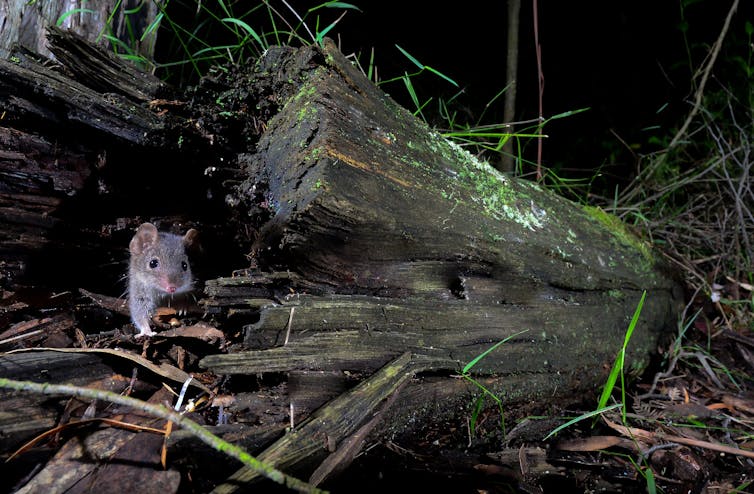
x=375, y=243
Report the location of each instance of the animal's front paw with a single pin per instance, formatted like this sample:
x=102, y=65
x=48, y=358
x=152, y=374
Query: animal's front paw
x=144, y=329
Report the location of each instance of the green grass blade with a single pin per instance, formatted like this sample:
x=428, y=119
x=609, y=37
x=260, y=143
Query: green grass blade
x=440, y=74
x=617, y=369
x=410, y=89
x=475, y=414
x=134, y=10
x=585, y=416
x=634, y=319
x=115, y=42
x=225, y=8
x=607, y=389
x=67, y=14
x=371, y=69
x=484, y=353
x=341, y=5
x=412, y=59
x=650, y=478
x=321, y=34
x=246, y=28
x=424, y=67
x=568, y=113
x=221, y=50
x=153, y=26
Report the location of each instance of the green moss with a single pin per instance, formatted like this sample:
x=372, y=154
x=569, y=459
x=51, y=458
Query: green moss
x=307, y=91
x=496, y=196
x=416, y=164
x=492, y=190
x=616, y=294
x=620, y=231
x=305, y=112
x=315, y=153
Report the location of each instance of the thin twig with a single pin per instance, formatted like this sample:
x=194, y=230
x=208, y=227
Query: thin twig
x=661, y=436
x=705, y=75
x=288, y=326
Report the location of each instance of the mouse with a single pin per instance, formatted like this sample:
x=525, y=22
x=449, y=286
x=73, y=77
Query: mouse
x=158, y=269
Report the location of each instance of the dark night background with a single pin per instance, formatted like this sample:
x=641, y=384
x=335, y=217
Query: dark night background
x=626, y=61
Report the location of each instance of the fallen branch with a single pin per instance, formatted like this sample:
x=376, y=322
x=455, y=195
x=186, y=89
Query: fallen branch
x=334, y=425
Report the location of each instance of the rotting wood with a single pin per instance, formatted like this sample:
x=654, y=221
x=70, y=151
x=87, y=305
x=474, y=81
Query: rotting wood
x=359, y=333
x=309, y=443
x=110, y=457
x=103, y=71
x=24, y=416
x=110, y=114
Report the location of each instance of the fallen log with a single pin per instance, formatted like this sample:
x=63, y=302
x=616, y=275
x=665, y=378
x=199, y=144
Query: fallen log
x=392, y=239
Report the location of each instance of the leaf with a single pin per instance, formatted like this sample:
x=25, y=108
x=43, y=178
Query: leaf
x=154, y=25
x=618, y=364
x=323, y=33
x=593, y=443
x=568, y=113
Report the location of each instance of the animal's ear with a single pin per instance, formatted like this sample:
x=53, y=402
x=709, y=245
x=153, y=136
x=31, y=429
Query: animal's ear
x=145, y=236
x=191, y=239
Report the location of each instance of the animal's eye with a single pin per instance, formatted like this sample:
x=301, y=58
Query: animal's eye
x=184, y=265
x=154, y=263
